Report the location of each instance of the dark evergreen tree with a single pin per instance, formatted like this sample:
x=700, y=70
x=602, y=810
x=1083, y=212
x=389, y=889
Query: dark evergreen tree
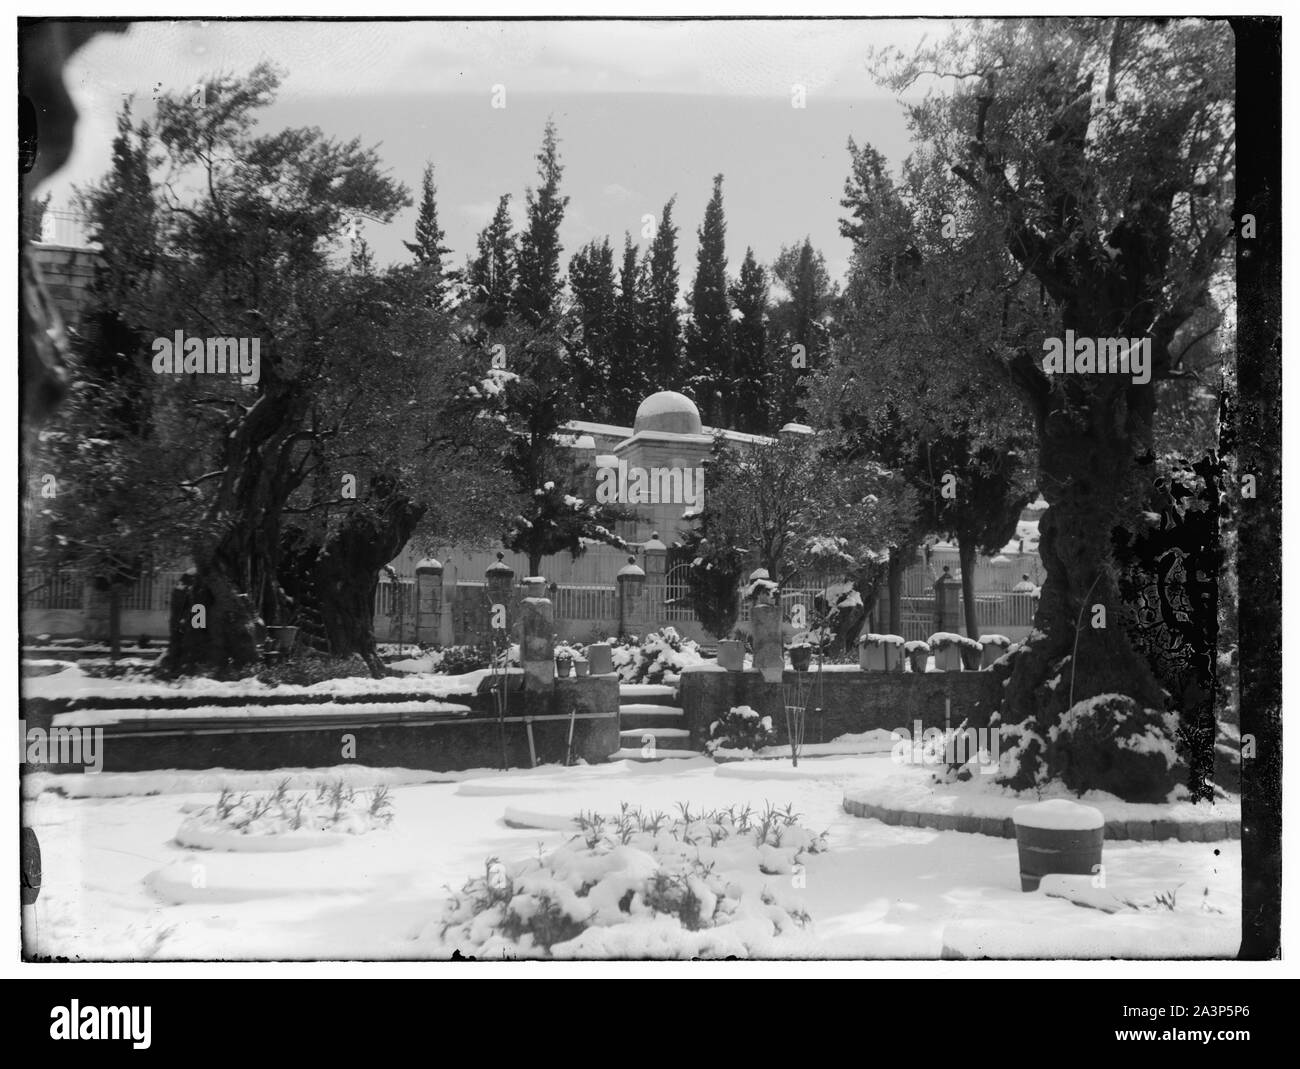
x=492, y=271
x=797, y=328
x=591, y=278
x=538, y=284
x=663, y=329
x=750, y=386
x=709, y=371
x=427, y=247
x=629, y=382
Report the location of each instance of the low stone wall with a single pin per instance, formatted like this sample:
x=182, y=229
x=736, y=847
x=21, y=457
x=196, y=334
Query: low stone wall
x=850, y=699
x=440, y=743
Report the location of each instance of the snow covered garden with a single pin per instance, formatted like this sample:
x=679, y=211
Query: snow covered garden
x=625, y=860
x=769, y=686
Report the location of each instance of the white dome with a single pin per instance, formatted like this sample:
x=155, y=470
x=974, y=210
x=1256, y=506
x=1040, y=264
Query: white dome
x=668, y=412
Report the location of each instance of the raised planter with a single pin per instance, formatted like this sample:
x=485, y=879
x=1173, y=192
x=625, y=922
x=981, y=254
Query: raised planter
x=946, y=648
x=881, y=653
x=1057, y=836
x=993, y=647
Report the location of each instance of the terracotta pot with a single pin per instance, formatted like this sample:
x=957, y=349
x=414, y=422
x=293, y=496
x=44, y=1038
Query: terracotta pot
x=582, y=668
x=800, y=657
x=563, y=668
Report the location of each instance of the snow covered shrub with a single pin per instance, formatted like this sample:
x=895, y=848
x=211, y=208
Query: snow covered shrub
x=304, y=669
x=457, y=660
x=639, y=885
x=1111, y=743
x=658, y=658
x=740, y=728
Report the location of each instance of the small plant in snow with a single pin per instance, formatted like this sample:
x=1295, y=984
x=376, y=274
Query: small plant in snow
x=333, y=807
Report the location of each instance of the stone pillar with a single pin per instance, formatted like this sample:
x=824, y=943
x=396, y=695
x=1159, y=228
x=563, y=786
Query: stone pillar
x=500, y=591
x=655, y=555
x=428, y=601
x=947, y=603
x=631, y=591
x=769, y=654
x=537, y=648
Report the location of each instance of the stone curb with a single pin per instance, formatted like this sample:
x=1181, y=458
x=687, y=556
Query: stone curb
x=1161, y=830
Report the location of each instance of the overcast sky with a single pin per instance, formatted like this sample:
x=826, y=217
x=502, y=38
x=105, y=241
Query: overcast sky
x=645, y=110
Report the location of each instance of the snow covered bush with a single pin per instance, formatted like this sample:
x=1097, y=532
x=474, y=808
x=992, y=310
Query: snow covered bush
x=639, y=885
x=740, y=728
x=658, y=658
x=303, y=669
x=1110, y=743
x=457, y=660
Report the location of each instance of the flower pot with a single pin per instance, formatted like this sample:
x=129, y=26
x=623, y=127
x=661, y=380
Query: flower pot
x=993, y=648
x=731, y=655
x=800, y=657
x=582, y=668
x=283, y=637
x=947, y=658
x=971, y=657
x=871, y=657
x=563, y=668
x=918, y=660
x=1057, y=836
x=881, y=653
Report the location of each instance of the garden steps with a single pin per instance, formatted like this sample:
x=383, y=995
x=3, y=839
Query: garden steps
x=627, y=754
x=637, y=736
x=650, y=717
x=651, y=709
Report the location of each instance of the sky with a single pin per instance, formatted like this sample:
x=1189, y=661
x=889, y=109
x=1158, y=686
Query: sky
x=645, y=110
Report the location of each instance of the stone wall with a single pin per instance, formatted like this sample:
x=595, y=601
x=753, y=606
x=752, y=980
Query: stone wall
x=440, y=743
x=851, y=700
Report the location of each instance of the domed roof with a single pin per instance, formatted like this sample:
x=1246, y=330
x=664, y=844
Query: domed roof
x=668, y=412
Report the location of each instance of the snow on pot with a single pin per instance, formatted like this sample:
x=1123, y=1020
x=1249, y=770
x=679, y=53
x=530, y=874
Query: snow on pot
x=1057, y=836
x=917, y=654
x=882, y=653
x=994, y=646
x=946, y=648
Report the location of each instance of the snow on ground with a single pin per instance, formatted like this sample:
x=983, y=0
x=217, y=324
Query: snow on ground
x=878, y=891
x=912, y=787
x=104, y=717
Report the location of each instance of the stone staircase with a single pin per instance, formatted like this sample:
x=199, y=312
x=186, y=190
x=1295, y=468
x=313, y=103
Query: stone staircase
x=651, y=724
